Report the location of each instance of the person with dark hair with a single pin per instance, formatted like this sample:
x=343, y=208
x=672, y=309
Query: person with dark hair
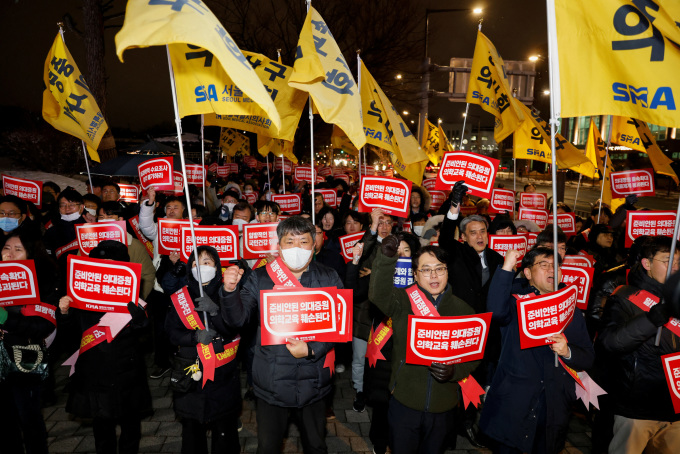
x=110, y=191
x=353, y=222
x=420, y=201
x=421, y=410
x=529, y=187
x=51, y=188
x=644, y=418
x=601, y=247
x=242, y=214
x=319, y=203
x=229, y=200
x=329, y=219
x=527, y=407
x=91, y=203
x=96, y=186
x=14, y=217
x=109, y=383
x=288, y=378
x=266, y=211
x=502, y=225
x=418, y=221
x=546, y=239
x=215, y=405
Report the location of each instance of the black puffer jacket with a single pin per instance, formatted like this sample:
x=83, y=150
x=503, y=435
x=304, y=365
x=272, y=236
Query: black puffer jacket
x=278, y=377
x=636, y=378
x=221, y=396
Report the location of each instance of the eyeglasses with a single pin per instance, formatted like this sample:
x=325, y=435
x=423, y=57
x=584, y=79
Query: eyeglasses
x=9, y=214
x=69, y=205
x=676, y=263
x=545, y=265
x=267, y=213
x=440, y=271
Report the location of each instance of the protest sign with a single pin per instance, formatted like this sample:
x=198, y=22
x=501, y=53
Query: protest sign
x=137, y=229
x=222, y=171
x=286, y=165
x=250, y=161
x=213, y=168
x=91, y=234
x=638, y=182
x=224, y=238
x=18, y=283
x=251, y=197
x=329, y=196
x=504, y=243
x=566, y=221
x=536, y=200
x=478, y=172
x=671, y=368
x=170, y=235
x=653, y=223
x=403, y=273
x=531, y=239
x=545, y=315
x=347, y=243
x=502, y=200
x=325, y=171
x=102, y=285
x=304, y=173
x=578, y=260
x=539, y=217
x=582, y=278
x=341, y=176
x=129, y=192
x=259, y=240
x=156, y=172
x=430, y=183
x=438, y=199
x=28, y=190
x=389, y=194
x=195, y=174
x=290, y=203
x=447, y=340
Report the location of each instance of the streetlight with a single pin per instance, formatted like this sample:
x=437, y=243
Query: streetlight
x=405, y=112
x=546, y=92
x=534, y=58
x=398, y=77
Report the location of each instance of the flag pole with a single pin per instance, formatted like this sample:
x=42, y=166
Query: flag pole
x=269, y=180
x=604, y=173
x=359, y=84
x=311, y=152
x=580, y=175
x=674, y=244
x=283, y=172
x=203, y=172
x=178, y=123
x=87, y=165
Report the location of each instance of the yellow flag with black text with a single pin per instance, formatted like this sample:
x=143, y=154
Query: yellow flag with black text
x=68, y=104
x=278, y=147
x=618, y=57
x=489, y=87
x=593, y=144
x=321, y=70
x=189, y=27
x=625, y=133
x=660, y=162
x=232, y=141
x=339, y=140
x=434, y=142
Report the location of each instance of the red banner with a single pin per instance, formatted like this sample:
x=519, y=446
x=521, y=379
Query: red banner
x=531, y=239
x=284, y=164
x=535, y=200
x=301, y=313
x=195, y=174
x=91, y=234
x=582, y=278
x=329, y=196
x=347, y=243
x=290, y=203
x=446, y=340
x=156, y=172
x=134, y=222
x=304, y=173
x=578, y=260
x=367, y=170
x=18, y=283
x=342, y=176
x=467, y=210
x=325, y=171
x=129, y=192
x=638, y=182
x=545, y=315
x=539, y=217
x=438, y=199
x=178, y=183
x=504, y=243
x=259, y=240
x=224, y=238
x=28, y=190
x=671, y=367
x=250, y=161
x=478, y=172
x=222, y=171
x=502, y=200
x=170, y=235
x=430, y=183
x=251, y=197
x=102, y=285
x=231, y=167
x=640, y=223
x=213, y=167
x=566, y=221
x=391, y=195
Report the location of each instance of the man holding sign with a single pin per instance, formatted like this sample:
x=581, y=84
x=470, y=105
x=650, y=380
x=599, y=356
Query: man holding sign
x=528, y=405
x=291, y=377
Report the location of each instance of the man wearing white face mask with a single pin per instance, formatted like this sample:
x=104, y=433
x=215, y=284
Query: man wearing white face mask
x=229, y=201
x=291, y=377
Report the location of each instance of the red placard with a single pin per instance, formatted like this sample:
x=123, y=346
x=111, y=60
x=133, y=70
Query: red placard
x=430, y=183
x=578, y=260
x=539, y=217
x=406, y=226
x=468, y=210
x=531, y=239
x=347, y=243
x=308, y=314
x=195, y=174
x=291, y=203
x=213, y=167
x=284, y=164
x=170, y=235
x=446, y=340
x=638, y=182
x=250, y=161
x=325, y=171
x=389, y=194
x=342, y=176
x=251, y=197
x=28, y=190
x=367, y=170
x=232, y=167
x=582, y=278
x=156, y=172
x=478, y=172
x=566, y=221
x=345, y=319
x=178, y=179
x=224, y=238
x=387, y=173
x=671, y=367
x=134, y=222
x=545, y=315
x=129, y=192
x=102, y=285
x=504, y=243
x=535, y=200
x=502, y=200
x=438, y=199
x=329, y=196
x=91, y=234
x=222, y=171
x=260, y=240
x=640, y=223
x=304, y=173
x=18, y=283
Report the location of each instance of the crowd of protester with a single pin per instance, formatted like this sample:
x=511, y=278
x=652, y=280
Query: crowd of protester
x=528, y=402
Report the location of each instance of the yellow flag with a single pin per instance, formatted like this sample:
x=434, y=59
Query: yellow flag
x=232, y=141
x=159, y=22
x=432, y=142
x=94, y=155
x=490, y=88
x=597, y=146
x=660, y=162
x=446, y=146
x=278, y=147
x=377, y=127
x=68, y=104
x=625, y=133
x=593, y=143
x=532, y=141
x=321, y=70
x=618, y=57
x=203, y=86
x=340, y=141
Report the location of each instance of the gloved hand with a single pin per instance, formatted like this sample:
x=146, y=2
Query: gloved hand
x=389, y=246
x=205, y=336
x=205, y=304
x=659, y=314
x=631, y=199
x=442, y=372
x=138, y=314
x=457, y=192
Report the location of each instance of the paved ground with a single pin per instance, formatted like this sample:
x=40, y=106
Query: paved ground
x=161, y=432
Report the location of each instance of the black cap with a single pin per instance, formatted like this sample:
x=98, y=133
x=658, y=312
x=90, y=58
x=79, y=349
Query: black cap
x=111, y=250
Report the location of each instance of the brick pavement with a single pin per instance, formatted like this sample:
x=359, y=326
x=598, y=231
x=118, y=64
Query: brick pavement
x=161, y=432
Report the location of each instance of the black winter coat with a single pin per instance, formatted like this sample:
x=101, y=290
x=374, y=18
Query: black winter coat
x=636, y=379
x=278, y=377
